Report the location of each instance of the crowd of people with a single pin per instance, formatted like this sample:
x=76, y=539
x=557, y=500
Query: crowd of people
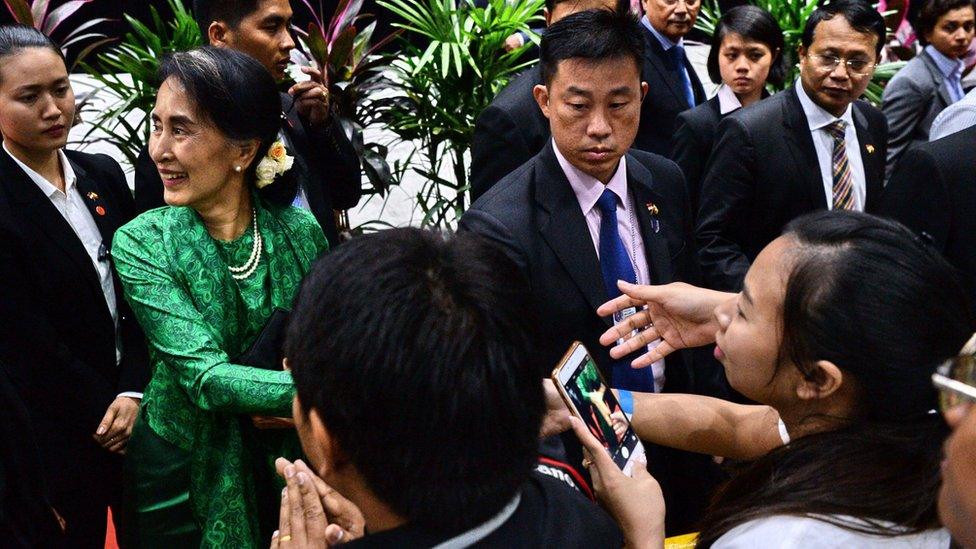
x=777, y=288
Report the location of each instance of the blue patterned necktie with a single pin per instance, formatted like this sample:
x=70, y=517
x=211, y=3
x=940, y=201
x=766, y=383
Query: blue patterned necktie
x=678, y=56
x=616, y=265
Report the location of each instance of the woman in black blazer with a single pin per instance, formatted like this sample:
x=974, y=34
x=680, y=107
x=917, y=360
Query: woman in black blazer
x=746, y=53
x=76, y=357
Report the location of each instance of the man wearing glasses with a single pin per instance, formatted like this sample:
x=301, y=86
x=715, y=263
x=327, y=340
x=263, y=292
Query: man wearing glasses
x=811, y=147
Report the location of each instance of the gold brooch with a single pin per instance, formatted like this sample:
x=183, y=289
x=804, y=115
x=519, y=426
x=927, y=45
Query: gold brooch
x=870, y=148
x=92, y=196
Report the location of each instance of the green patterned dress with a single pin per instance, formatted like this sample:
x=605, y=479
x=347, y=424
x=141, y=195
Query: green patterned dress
x=196, y=318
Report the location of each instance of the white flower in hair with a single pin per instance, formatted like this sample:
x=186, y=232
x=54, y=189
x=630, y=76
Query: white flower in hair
x=275, y=163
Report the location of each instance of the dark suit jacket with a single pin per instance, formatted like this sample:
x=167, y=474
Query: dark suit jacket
x=533, y=213
x=763, y=173
x=535, y=216
x=691, y=147
x=508, y=133
x=665, y=96
x=933, y=191
x=58, y=338
x=325, y=162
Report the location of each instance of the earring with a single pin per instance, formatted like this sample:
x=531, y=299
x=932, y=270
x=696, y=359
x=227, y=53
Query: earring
x=238, y=169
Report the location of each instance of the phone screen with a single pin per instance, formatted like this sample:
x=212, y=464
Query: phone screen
x=600, y=410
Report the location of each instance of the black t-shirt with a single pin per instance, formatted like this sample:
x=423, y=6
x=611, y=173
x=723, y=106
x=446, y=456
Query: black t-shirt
x=550, y=514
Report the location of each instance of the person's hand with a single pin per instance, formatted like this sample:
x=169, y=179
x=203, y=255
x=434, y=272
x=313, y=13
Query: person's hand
x=312, y=97
x=556, y=419
x=513, y=42
x=116, y=426
x=312, y=513
x=679, y=314
x=635, y=502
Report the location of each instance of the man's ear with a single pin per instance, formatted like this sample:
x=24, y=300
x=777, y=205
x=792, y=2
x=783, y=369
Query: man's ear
x=547, y=15
x=218, y=34
x=333, y=459
x=644, y=88
x=825, y=380
x=541, y=94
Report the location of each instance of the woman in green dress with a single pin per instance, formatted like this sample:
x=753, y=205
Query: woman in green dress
x=203, y=275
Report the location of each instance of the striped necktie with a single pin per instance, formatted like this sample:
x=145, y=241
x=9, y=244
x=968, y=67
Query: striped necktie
x=843, y=179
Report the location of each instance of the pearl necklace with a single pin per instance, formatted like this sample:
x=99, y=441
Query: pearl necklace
x=248, y=268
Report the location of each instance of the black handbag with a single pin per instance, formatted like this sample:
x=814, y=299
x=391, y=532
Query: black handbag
x=267, y=350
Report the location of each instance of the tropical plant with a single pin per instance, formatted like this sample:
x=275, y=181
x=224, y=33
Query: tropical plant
x=443, y=85
x=127, y=75
x=353, y=67
x=38, y=14
x=792, y=16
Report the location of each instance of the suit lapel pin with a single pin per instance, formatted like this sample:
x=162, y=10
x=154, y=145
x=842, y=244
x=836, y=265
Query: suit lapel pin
x=654, y=211
x=99, y=210
x=870, y=148
x=92, y=196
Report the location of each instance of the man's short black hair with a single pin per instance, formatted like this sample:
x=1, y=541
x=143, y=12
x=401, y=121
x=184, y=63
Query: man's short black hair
x=858, y=13
x=417, y=350
x=594, y=35
x=930, y=13
x=622, y=5
x=230, y=12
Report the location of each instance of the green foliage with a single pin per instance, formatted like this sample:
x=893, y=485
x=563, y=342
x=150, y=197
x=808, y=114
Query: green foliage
x=444, y=83
x=127, y=74
x=354, y=73
x=38, y=14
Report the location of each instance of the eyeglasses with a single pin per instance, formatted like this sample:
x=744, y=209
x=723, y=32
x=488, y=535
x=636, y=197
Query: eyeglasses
x=857, y=65
x=956, y=381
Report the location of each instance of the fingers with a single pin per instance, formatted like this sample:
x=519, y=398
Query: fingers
x=274, y=540
x=284, y=516
x=315, y=520
x=334, y=534
x=315, y=74
x=597, y=453
x=618, y=303
x=107, y=420
x=659, y=352
x=338, y=510
x=640, y=322
x=296, y=513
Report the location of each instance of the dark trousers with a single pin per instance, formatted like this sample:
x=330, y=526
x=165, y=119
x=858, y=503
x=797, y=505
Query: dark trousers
x=85, y=513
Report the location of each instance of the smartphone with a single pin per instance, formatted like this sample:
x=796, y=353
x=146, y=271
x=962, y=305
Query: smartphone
x=589, y=398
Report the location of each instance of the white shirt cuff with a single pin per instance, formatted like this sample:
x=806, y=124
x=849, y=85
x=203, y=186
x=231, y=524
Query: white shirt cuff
x=131, y=394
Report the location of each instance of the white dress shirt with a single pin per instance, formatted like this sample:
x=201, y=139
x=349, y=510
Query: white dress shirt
x=954, y=118
x=72, y=207
x=818, y=119
x=588, y=190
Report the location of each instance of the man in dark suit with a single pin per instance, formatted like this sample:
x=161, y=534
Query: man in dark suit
x=933, y=191
x=673, y=86
x=810, y=147
x=587, y=211
x=513, y=129
x=326, y=164
x=70, y=342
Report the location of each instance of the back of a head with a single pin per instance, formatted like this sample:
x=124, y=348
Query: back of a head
x=858, y=13
x=755, y=24
x=594, y=35
x=868, y=295
x=416, y=350
x=620, y=5
x=230, y=12
x=237, y=94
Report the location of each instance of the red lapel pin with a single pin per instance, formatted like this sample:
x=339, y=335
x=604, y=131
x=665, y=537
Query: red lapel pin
x=99, y=210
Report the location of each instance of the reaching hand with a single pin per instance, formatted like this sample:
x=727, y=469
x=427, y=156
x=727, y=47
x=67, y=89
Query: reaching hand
x=116, y=426
x=635, y=502
x=312, y=97
x=312, y=513
x=679, y=314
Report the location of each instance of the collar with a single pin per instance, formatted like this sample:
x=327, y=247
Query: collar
x=727, y=101
x=48, y=188
x=816, y=116
x=666, y=42
x=948, y=66
x=587, y=188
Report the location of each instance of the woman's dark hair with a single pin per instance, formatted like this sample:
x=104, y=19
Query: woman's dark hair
x=14, y=38
x=751, y=23
x=239, y=97
x=930, y=13
x=883, y=306
x=859, y=14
